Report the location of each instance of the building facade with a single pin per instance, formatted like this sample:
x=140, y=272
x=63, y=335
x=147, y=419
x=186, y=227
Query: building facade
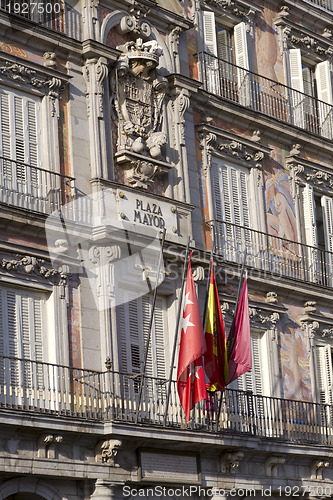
x=126, y=129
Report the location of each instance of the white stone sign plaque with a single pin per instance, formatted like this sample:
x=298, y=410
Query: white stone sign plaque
x=169, y=467
x=147, y=212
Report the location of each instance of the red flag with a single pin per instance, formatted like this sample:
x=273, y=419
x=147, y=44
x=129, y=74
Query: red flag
x=191, y=382
x=216, y=363
x=239, y=340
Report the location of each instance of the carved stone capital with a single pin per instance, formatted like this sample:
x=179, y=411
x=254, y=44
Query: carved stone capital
x=272, y=464
x=95, y=72
x=50, y=60
x=106, y=451
x=229, y=462
x=104, y=254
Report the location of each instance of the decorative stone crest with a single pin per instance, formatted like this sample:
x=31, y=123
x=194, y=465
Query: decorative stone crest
x=139, y=93
x=261, y=317
x=234, y=7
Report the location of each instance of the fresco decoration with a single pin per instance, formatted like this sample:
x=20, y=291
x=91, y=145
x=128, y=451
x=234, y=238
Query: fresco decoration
x=73, y=315
x=269, y=62
x=279, y=205
x=294, y=356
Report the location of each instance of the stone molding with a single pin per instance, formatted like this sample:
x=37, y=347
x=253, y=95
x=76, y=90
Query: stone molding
x=33, y=266
x=302, y=172
x=295, y=36
x=44, y=83
x=216, y=142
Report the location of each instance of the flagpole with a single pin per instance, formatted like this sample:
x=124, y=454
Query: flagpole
x=150, y=325
x=176, y=330
x=229, y=343
x=208, y=283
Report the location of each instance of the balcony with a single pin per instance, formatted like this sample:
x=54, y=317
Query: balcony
x=44, y=388
x=272, y=254
x=324, y=4
x=34, y=189
x=52, y=14
x=266, y=96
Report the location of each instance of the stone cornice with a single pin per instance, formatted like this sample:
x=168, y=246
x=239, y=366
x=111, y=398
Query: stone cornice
x=216, y=142
x=296, y=36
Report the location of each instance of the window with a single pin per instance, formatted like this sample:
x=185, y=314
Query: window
x=23, y=329
x=324, y=375
x=133, y=317
x=226, y=59
x=19, y=151
x=230, y=187
x=311, y=104
x=317, y=214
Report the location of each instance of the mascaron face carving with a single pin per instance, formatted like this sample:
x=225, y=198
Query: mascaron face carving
x=139, y=92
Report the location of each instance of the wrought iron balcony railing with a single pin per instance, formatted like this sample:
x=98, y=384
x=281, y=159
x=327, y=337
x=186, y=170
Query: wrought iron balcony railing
x=33, y=188
x=53, y=14
x=272, y=254
x=266, y=96
x=324, y=4
x=104, y=396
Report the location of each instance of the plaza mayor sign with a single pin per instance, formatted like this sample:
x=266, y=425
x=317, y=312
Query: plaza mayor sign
x=147, y=212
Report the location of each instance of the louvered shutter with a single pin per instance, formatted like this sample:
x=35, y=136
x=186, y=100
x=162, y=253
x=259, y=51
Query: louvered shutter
x=308, y=91
x=5, y=143
x=325, y=95
x=296, y=83
x=252, y=381
x=243, y=64
x=21, y=336
x=309, y=216
x=210, y=70
x=327, y=207
x=310, y=230
x=219, y=227
x=224, y=50
x=324, y=382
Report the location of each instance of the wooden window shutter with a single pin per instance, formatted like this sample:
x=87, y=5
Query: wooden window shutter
x=327, y=207
x=325, y=94
x=241, y=46
x=209, y=29
x=309, y=216
x=211, y=68
x=324, y=374
x=296, y=74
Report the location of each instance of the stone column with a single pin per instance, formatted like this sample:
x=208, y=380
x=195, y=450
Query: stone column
x=104, y=490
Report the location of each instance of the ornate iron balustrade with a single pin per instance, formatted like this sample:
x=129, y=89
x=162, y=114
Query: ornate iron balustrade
x=324, y=4
x=272, y=254
x=103, y=396
x=266, y=96
x=33, y=188
x=53, y=14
